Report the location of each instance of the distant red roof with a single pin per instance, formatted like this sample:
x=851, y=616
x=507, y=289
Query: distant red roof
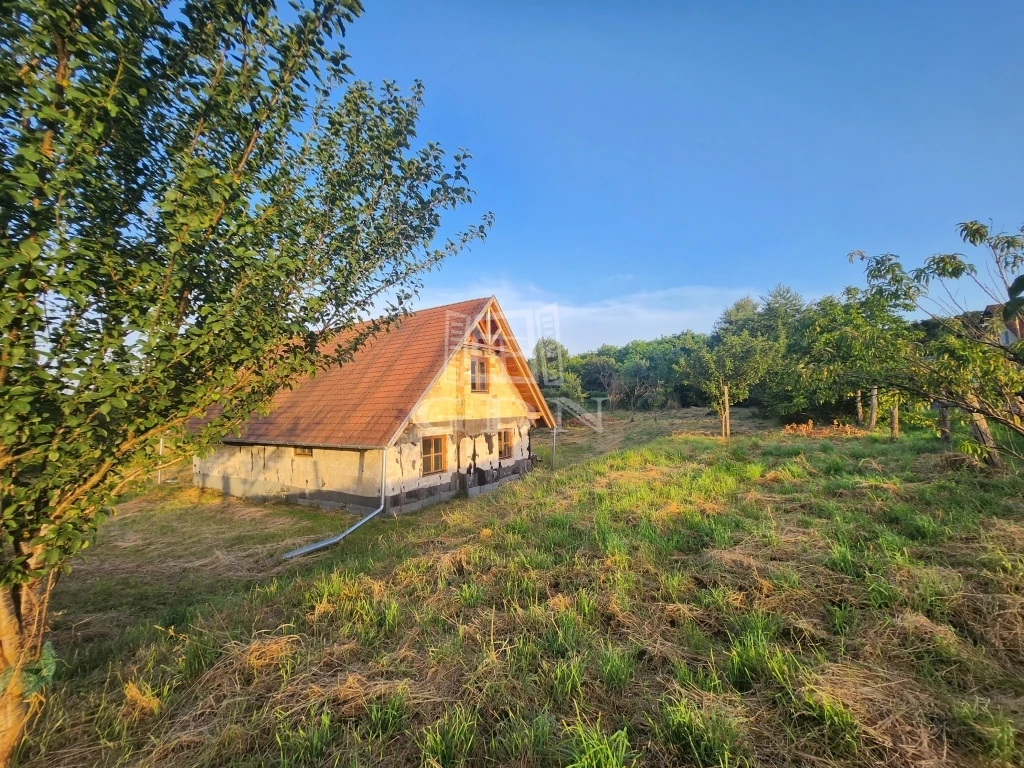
x=1015, y=325
x=363, y=403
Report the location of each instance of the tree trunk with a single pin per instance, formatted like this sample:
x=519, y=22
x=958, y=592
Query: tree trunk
x=894, y=423
x=14, y=714
x=873, y=410
x=726, y=426
x=22, y=625
x=979, y=426
x=860, y=409
x=945, y=433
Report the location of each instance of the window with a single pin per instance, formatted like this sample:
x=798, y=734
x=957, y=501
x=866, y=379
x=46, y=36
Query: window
x=301, y=451
x=434, y=455
x=505, y=444
x=478, y=374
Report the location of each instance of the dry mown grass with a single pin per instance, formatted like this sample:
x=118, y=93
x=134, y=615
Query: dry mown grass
x=774, y=601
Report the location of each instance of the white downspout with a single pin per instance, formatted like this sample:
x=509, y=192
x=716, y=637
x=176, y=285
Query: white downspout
x=318, y=545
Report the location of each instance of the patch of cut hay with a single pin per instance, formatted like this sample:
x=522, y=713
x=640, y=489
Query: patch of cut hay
x=269, y=651
x=140, y=701
x=894, y=713
x=955, y=462
x=834, y=430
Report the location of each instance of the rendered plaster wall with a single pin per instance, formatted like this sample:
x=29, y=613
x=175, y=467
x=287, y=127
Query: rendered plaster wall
x=332, y=475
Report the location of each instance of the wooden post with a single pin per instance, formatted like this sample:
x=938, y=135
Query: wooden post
x=860, y=409
x=894, y=423
x=873, y=410
x=554, y=444
x=160, y=471
x=725, y=412
x=945, y=434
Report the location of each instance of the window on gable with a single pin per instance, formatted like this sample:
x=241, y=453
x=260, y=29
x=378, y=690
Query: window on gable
x=434, y=455
x=478, y=374
x=505, y=444
x=303, y=451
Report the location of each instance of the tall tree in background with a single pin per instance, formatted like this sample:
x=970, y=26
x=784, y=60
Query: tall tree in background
x=780, y=315
x=739, y=316
x=548, y=362
x=194, y=213
x=778, y=312
x=727, y=370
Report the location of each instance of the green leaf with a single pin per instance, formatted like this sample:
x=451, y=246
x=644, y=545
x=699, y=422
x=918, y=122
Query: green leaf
x=30, y=248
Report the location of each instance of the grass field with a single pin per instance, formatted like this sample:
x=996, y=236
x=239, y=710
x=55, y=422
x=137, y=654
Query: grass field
x=677, y=601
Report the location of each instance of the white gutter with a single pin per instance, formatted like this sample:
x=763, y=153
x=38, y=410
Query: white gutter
x=318, y=545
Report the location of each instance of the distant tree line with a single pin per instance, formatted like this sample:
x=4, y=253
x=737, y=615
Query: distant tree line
x=903, y=347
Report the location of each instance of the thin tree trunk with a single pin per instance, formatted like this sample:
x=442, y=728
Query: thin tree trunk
x=945, y=433
x=894, y=423
x=979, y=426
x=860, y=409
x=873, y=410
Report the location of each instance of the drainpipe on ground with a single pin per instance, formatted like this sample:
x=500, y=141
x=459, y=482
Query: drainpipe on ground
x=318, y=545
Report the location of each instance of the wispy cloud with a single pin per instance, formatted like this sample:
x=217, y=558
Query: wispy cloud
x=585, y=325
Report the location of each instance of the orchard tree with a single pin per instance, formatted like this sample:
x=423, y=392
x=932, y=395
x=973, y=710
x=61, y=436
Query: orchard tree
x=637, y=384
x=727, y=370
x=597, y=373
x=965, y=365
x=197, y=208
x=856, y=347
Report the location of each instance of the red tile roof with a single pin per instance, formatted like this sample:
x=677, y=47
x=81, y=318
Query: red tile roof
x=1015, y=325
x=363, y=403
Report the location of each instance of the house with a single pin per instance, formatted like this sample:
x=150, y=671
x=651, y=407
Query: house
x=443, y=403
x=1009, y=332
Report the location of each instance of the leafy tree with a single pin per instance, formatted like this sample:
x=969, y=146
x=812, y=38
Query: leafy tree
x=597, y=373
x=194, y=213
x=847, y=347
x=572, y=388
x=965, y=366
x=637, y=385
x=779, y=316
x=778, y=312
x=726, y=371
x=741, y=315
x=548, y=361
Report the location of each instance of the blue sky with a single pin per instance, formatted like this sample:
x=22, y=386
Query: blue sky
x=649, y=162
